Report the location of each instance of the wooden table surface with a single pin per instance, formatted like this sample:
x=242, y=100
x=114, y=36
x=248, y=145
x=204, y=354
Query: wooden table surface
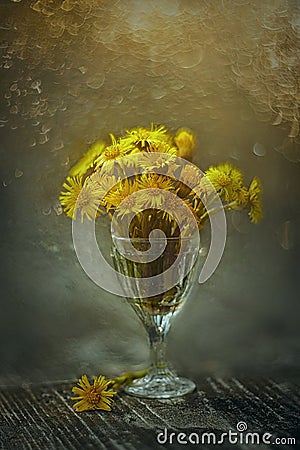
x=41, y=417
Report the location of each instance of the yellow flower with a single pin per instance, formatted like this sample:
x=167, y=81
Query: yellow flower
x=186, y=142
x=80, y=198
x=96, y=396
x=68, y=199
x=156, y=184
x=88, y=202
x=152, y=160
x=255, y=189
x=110, y=154
x=102, y=182
x=122, y=192
x=88, y=159
x=154, y=181
x=226, y=179
x=144, y=139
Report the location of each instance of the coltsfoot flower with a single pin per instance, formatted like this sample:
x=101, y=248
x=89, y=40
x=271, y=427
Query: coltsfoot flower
x=226, y=179
x=110, y=154
x=145, y=139
x=186, y=143
x=256, y=211
x=93, y=396
x=80, y=198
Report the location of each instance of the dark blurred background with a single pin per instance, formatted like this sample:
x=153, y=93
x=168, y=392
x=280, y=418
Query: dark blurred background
x=73, y=71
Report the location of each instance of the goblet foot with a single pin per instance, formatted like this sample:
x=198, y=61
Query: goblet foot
x=161, y=383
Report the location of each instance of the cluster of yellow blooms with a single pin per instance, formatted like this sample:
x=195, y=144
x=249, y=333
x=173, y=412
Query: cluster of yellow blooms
x=81, y=196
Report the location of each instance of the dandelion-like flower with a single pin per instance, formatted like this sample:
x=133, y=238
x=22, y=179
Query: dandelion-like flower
x=115, y=151
x=152, y=160
x=68, y=198
x=93, y=396
x=88, y=201
x=226, y=179
x=80, y=197
x=97, y=184
x=155, y=185
x=186, y=142
x=255, y=189
x=145, y=139
x=122, y=193
x=88, y=159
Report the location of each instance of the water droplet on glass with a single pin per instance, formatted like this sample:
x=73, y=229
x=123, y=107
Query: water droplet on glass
x=96, y=81
x=13, y=87
x=18, y=173
x=67, y=5
x=14, y=109
x=58, y=145
x=290, y=150
x=66, y=162
x=177, y=84
x=47, y=211
x=43, y=138
x=278, y=119
x=188, y=59
x=37, y=6
x=203, y=251
x=286, y=235
x=36, y=85
x=294, y=131
x=32, y=142
x=259, y=149
x=158, y=92
x=7, y=64
x=241, y=222
x=82, y=69
x=58, y=208
x=117, y=100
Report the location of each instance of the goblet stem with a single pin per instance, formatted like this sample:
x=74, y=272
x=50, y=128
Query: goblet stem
x=157, y=333
x=161, y=381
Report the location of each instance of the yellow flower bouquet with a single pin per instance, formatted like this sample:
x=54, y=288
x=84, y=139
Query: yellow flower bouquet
x=80, y=198
x=144, y=183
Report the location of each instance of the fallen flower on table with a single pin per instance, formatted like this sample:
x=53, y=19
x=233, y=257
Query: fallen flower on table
x=93, y=396
x=99, y=394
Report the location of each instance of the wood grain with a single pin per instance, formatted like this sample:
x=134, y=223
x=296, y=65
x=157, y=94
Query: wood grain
x=41, y=417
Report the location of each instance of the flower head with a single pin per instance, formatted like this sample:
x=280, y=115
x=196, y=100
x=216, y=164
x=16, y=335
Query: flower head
x=93, y=396
x=68, y=198
x=144, y=139
x=88, y=159
x=154, y=184
x=122, y=193
x=83, y=198
x=185, y=141
x=110, y=154
x=255, y=189
x=226, y=179
x=153, y=160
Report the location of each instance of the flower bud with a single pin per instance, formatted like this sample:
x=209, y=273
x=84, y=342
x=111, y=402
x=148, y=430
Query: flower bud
x=185, y=141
